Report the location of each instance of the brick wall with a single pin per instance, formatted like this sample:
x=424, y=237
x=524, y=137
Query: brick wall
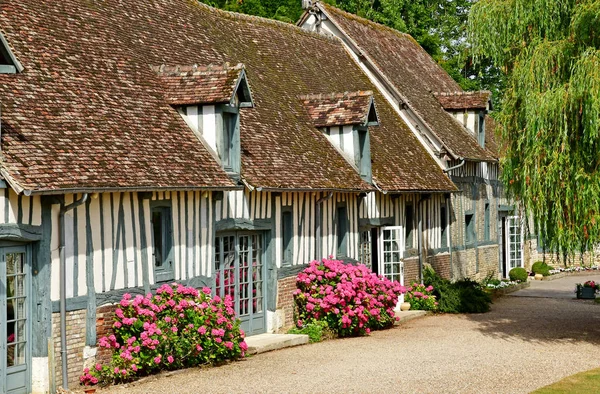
x=411, y=270
x=75, y=345
x=104, y=321
x=440, y=264
x=285, y=299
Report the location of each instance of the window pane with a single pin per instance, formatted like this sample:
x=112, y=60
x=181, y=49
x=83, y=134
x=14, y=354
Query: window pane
x=157, y=229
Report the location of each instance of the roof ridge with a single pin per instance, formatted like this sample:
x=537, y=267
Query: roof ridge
x=274, y=22
x=325, y=96
x=368, y=21
x=195, y=69
x=462, y=93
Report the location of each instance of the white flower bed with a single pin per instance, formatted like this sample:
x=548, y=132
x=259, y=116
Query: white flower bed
x=574, y=269
x=503, y=284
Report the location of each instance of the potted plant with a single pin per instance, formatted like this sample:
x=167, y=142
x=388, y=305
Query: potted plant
x=587, y=290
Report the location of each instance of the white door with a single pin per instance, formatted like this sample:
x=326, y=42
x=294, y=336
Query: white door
x=391, y=251
x=514, y=244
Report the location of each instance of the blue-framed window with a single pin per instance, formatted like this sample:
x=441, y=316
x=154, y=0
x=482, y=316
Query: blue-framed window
x=162, y=242
x=287, y=227
x=342, y=231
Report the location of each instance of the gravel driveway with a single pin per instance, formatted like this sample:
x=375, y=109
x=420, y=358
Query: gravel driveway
x=524, y=343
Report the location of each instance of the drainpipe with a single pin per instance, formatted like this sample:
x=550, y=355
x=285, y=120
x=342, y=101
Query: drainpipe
x=449, y=234
x=420, y=235
x=319, y=245
x=462, y=163
x=63, y=287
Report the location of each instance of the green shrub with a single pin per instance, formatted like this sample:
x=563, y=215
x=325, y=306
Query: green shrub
x=491, y=279
x=518, y=273
x=539, y=267
x=463, y=296
x=315, y=330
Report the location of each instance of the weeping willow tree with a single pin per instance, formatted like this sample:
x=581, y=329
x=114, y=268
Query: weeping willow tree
x=550, y=118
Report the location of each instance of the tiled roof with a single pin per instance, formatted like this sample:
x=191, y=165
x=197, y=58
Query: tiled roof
x=491, y=137
x=89, y=110
x=464, y=100
x=199, y=85
x=338, y=109
x=414, y=74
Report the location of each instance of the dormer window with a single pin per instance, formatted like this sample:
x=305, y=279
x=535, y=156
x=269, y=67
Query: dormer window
x=470, y=109
x=209, y=99
x=345, y=119
x=8, y=62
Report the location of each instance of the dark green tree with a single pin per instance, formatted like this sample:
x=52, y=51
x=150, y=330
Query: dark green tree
x=550, y=119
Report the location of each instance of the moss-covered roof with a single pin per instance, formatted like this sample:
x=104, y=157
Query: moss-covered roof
x=464, y=100
x=88, y=110
x=414, y=74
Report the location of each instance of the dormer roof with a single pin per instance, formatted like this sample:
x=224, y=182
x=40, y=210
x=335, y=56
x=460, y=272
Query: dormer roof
x=464, y=100
x=211, y=84
x=8, y=61
x=340, y=109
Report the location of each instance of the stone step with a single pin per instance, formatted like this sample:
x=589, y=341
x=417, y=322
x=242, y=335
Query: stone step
x=409, y=315
x=267, y=342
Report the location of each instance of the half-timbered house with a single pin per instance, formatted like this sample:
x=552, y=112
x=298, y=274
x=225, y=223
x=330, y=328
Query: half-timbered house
x=485, y=234
x=158, y=141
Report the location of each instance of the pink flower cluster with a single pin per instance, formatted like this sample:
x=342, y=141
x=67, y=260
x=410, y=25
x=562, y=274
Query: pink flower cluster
x=420, y=297
x=351, y=299
x=88, y=379
x=178, y=327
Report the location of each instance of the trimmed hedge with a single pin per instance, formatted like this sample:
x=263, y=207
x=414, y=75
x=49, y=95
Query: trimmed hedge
x=518, y=273
x=539, y=267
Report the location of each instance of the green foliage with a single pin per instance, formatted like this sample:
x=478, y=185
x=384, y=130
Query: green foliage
x=491, y=279
x=539, y=267
x=284, y=10
x=315, y=330
x=463, y=296
x=550, y=119
x=518, y=273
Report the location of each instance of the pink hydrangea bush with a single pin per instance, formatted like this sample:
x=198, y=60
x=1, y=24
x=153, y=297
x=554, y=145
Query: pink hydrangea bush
x=421, y=297
x=178, y=327
x=351, y=299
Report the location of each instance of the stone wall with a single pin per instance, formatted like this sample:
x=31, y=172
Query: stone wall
x=532, y=254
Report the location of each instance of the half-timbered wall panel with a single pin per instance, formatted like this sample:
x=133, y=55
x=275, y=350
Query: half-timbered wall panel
x=19, y=209
x=242, y=204
x=108, y=240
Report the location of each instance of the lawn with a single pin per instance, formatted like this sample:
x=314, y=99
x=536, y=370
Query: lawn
x=584, y=382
